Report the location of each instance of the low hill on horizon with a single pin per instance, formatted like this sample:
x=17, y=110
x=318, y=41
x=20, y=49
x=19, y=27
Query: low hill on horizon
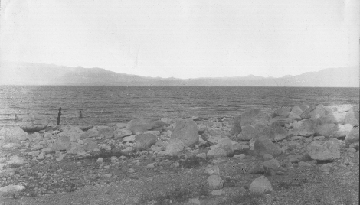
x=49, y=74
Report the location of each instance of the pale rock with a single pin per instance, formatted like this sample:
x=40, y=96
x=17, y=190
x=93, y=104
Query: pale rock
x=272, y=164
x=100, y=160
x=338, y=117
x=201, y=155
x=226, y=144
x=304, y=127
x=174, y=147
x=91, y=133
x=105, y=131
x=10, y=189
x=33, y=153
x=114, y=159
x=13, y=134
x=283, y=111
x=215, y=182
x=212, y=170
x=48, y=135
x=41, y=156
x=216, y=151
x=10, y=145
x=296, y=110
x=260, y=185
x=150, y=166
x=217, y=192
x=194, y=201
x=16, y=160
x=352, y=118
x=343, y=130
x=324, y=151
x=72, y=132
x=128, y=149
x=105, y=147
x=143, y=125
x=352, y=136
x=35, y=137
x=294, y=116
x=90, y=145
x=130, y=138
x=120, y=125
x=340, y=108
x=186, y=131
x=254, y=116
x=61, y=143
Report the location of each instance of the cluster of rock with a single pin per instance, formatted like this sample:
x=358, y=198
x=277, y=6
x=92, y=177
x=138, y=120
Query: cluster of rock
x=320, y=131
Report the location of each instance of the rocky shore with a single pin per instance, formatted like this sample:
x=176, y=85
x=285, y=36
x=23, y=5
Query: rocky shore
x=292, y=155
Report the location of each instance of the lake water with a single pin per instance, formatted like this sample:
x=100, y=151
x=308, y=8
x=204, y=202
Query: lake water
x=102, y=105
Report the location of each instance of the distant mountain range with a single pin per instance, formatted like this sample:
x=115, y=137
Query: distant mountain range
x=49, y=74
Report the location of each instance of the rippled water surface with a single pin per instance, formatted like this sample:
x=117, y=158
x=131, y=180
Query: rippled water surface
x=101, y=105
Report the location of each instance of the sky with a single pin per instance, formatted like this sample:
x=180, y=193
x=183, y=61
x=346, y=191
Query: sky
x=183, y=38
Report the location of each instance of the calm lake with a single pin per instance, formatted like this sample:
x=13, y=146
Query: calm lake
x=102, y=105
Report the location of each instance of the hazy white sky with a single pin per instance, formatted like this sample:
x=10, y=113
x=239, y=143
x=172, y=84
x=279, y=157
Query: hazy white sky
x=183, y=38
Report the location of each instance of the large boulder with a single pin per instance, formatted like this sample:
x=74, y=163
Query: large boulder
x=296, y=110
x=62, y=142
x=72, y=132
x=352, y=118
x=174, y=147
x=324, y=151
x=91, y=133
x=283, y=112
x=222, y=149
x=353, y=136
x=264, y=145
x=13, y=134
x=260, y=185
x=306, y=114
x=186, y=131
x=143, y=125
x=105, y=131
x=254, y=116
x=248, y=132
x=305, y=127
x=90, y=145
x=33, y=123
x=278, y=132
x=145, y=141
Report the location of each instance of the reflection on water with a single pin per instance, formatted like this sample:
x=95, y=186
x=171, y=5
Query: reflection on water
x=101, y=104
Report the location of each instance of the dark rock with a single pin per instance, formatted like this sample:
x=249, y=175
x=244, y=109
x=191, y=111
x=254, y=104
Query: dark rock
x=265, y=146
x=236, y=127
x=145, y=141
